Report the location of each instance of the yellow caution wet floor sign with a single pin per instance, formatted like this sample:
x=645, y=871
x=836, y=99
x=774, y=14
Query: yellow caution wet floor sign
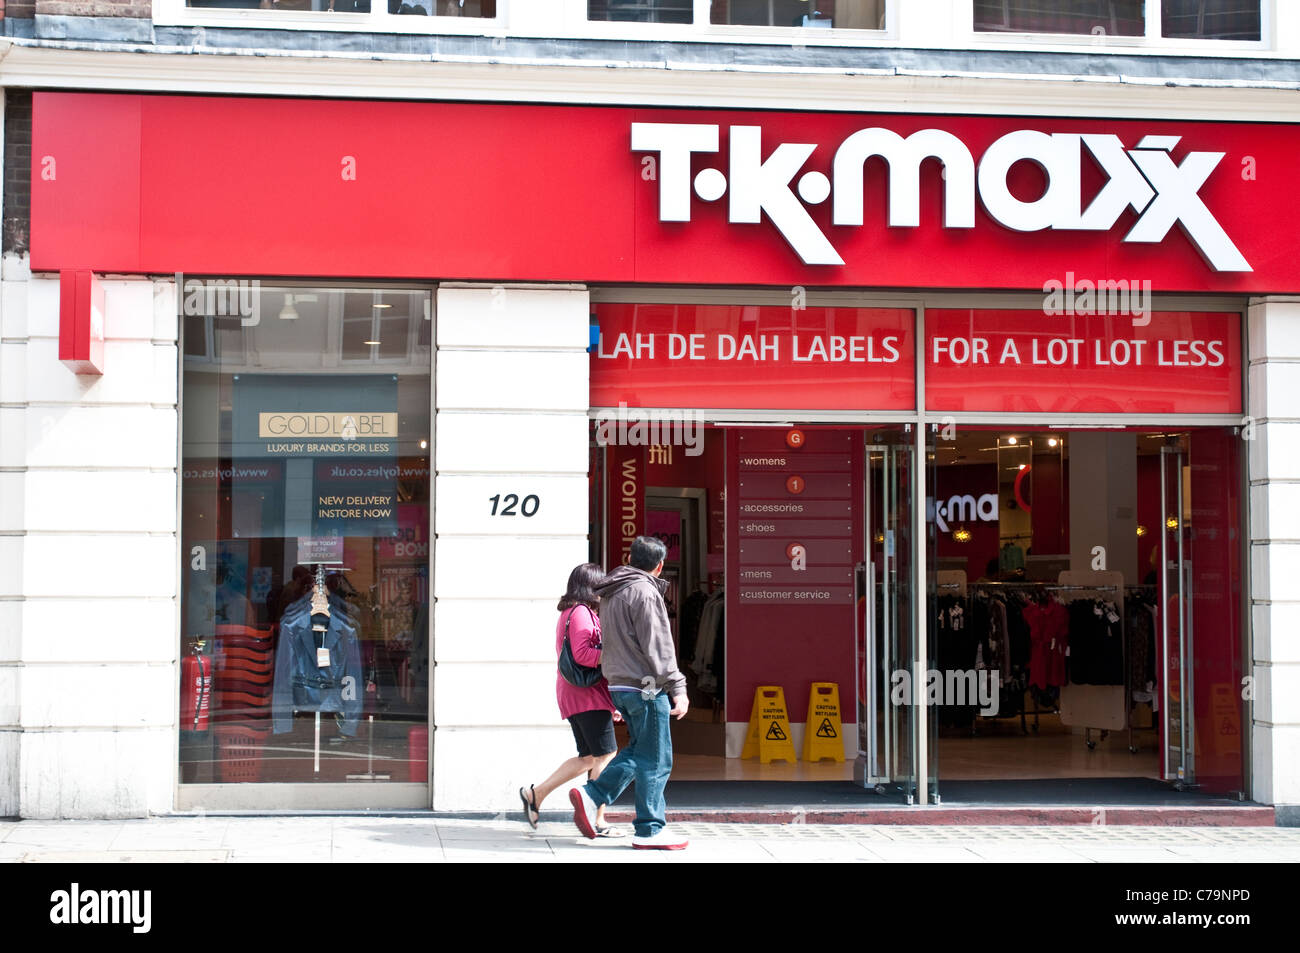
x=769, y=727
x=822, y=733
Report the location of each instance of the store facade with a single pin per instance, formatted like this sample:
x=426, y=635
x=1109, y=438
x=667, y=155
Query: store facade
x=394, y=365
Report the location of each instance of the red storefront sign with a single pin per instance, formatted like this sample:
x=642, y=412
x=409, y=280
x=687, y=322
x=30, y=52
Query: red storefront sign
x=717, y=357
x=564, y=193
x=1030, y=362
x=741, y=357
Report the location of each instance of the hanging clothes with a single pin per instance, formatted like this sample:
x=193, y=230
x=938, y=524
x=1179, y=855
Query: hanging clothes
x=1049, y=635
x=1096, y=643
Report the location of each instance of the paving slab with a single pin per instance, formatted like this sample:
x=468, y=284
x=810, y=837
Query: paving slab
x=127, y=857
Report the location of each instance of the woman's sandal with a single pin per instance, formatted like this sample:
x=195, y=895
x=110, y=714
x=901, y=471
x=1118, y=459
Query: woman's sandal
x=610, y=832
x=529, y=799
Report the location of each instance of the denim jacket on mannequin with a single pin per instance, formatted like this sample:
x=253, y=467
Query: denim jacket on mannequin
x=300, y=685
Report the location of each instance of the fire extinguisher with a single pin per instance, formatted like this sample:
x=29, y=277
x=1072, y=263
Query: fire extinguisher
x=196, y=690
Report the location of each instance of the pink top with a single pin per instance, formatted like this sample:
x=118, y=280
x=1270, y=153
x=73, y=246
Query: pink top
x=584, y=642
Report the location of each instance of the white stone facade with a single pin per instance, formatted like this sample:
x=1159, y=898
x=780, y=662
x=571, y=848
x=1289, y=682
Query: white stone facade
x=89, y=559
x=88, y=556
x=1273, y=400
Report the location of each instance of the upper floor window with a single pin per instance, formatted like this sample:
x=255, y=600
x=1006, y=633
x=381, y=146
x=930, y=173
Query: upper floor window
x=641, y=11
x=1179, y=19
x=1210, y=19
x=839, y=14
x=422, y=8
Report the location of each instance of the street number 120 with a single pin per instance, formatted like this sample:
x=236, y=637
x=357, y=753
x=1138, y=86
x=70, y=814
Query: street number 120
x=526, y=507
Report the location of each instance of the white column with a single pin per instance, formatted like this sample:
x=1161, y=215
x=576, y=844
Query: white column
x=88, y=557
x=1274, y=341
x=511, y=421
x=1103, y=502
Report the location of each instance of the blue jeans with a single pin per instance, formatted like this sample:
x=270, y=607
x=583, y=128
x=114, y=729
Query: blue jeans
x=647, y=760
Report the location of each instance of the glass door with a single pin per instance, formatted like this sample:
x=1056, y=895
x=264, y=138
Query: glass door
x=890, y=743
x=1177, y=723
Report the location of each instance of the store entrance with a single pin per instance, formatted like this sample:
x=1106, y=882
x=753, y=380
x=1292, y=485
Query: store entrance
x=1081, y=600
x=1089, y=582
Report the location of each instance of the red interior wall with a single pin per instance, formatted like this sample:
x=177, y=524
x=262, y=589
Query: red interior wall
x=975, y=479
x=708, y=470
x=1149, y=515
x=1051, y=506
x=1215, y=531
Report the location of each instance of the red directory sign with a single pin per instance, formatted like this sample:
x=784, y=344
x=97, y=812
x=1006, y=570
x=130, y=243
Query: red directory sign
x=740, y=357
x=1032, y=362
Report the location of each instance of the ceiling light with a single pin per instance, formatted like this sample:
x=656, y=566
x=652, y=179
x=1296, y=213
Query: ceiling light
x=383, y=306
x=1012, y=441
x=288, y=312
x=371, y=343
x=1052, y=441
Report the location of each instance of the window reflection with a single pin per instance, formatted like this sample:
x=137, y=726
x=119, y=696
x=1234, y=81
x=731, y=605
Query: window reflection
x=305, y=512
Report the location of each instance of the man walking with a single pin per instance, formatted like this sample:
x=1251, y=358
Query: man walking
x=638, y=661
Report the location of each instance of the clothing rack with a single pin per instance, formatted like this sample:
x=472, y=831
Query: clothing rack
x=1048, y=586
x=1141, y=590
x=1038, y=710
x=1087, y=705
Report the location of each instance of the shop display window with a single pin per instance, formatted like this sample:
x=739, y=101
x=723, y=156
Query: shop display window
x=305, y=507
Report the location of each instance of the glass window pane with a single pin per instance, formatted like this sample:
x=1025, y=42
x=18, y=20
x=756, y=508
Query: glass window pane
x=1083, y=17
x=1210, y=19
x=840, y=14
x=298, y=6
x=196, y=336
x=641, y=11
x=393, y=336
x=302, y=479
x=357, y=342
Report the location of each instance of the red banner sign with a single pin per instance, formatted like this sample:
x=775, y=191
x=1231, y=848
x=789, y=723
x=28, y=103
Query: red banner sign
x=677, y=196
x=739, y=357
x=1029, y=362
x=718, y=357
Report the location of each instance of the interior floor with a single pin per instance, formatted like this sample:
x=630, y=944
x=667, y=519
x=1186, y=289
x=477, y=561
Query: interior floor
x=999, y=752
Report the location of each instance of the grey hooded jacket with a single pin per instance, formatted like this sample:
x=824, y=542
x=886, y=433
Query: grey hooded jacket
x=637, y=640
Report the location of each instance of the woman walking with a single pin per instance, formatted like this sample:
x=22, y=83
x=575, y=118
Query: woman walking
x=590, y=711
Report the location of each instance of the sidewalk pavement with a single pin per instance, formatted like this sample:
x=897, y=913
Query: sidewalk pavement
x=431, y=838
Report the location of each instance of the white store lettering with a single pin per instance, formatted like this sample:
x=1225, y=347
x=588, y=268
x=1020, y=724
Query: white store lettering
x=1145, y=178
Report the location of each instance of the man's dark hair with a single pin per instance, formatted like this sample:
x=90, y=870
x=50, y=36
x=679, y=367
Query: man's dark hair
x=647, y=552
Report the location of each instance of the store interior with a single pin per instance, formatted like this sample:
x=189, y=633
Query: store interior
x=1018, y=520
